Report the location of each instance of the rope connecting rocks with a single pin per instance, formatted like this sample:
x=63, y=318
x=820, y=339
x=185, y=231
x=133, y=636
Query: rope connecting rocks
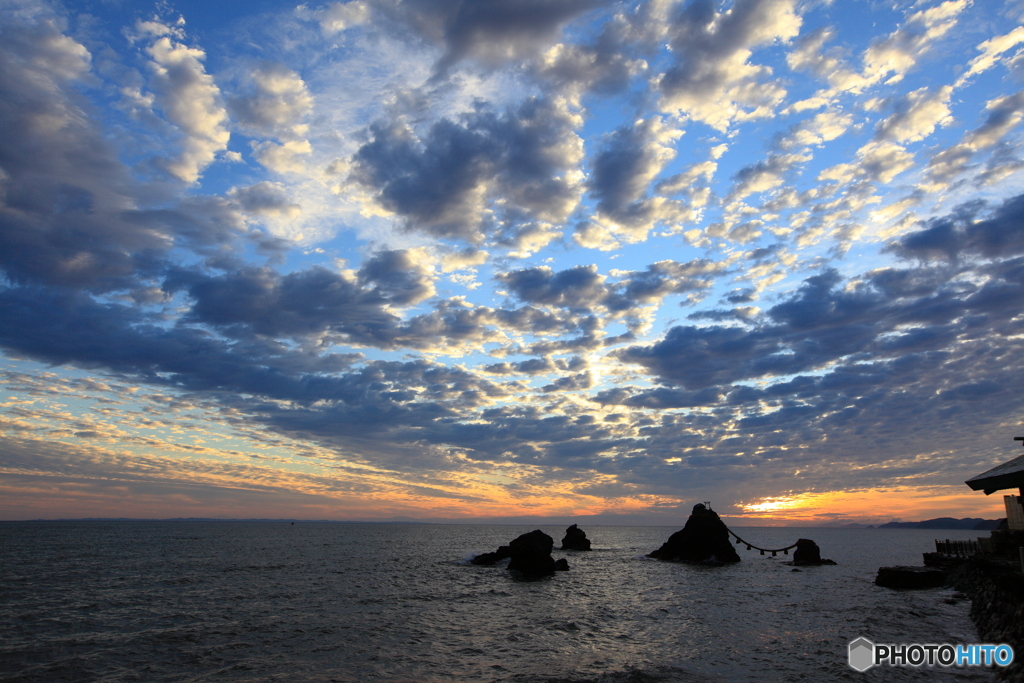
x=763, y=550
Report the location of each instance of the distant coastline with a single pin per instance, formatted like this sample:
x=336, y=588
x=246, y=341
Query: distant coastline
x=968, y=523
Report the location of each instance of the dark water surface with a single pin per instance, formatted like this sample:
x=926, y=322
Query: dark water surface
x=233, y=601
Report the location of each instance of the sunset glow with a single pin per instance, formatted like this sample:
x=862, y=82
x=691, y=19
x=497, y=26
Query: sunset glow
x=386, y=259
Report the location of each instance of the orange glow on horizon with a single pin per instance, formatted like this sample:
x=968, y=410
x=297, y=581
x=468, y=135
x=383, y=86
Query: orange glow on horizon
x=872, y=506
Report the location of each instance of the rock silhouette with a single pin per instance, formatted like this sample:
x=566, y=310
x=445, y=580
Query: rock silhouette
x=807, y=552
x=530, y=556
x=705, y=538
x=575, y=539
x=502, y=553
x=910, y=577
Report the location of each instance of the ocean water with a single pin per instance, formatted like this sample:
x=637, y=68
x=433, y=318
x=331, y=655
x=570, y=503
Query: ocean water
x=235, y=601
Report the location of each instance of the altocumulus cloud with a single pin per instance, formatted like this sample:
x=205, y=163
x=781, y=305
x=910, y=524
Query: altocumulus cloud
x=527, y=255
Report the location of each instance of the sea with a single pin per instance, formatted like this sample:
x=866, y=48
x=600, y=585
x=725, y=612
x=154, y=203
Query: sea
x=118, y=601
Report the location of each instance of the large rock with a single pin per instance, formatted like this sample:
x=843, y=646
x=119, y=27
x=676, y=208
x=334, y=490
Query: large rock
x=530, y=556
x=705, y=538
x=910, y=577
x=808, y=553
x=575, y=539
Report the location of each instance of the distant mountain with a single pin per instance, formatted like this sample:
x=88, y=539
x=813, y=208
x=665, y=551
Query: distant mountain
x=971, y=523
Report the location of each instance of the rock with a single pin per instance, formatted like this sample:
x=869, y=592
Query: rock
x=943, y=561
x=910, y=577
x=489, y=559
x=794, y=570
x=575, y=539
x=531, y=555
x=705, y=538
x=562, y=565
x=808, y=553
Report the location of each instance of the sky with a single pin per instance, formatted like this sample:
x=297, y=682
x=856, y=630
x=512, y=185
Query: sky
x=510, y=259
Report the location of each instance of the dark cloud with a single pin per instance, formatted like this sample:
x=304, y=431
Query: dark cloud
x=535, y=366
x=960, y=235
x=71, y=214
x=261, y=301
x=583, y=380
x=624, y=169
x=490, y=32
x=603, y=67
x=442, y=183
x=63, y=189
x=889, y=312
x=582, y=289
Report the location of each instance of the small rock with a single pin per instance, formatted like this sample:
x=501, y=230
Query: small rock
x=910, y=577
x=575, y=539
x=808, y=553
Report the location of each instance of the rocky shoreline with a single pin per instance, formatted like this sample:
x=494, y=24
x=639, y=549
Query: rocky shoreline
x=996, y=588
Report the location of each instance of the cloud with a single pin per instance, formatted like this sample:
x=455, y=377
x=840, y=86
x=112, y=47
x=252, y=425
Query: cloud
x=877, y=161
x=885, y=60
x=823, y=127
x=442, y=184
x=603, y=66
x=272, y=101
x=899, y=51
x=917, y=115
x=267, y=199
x=581, y=288
x=584, y=290
x=337, y=16
x=1005, y=114
x=490, y=33
x=991, y=50
x=466, y=258
x=312, y=301
x=824, y=324
x=959, y=235
x=764, y=175
x=191, y=101
x=712, y=80
x=352, y=351
x=623, y=172
x=72, y=214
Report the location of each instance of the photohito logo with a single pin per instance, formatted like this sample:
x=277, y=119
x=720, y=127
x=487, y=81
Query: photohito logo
x=864, y=654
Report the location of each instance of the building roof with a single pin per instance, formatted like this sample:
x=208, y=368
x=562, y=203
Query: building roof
x=1009, y=475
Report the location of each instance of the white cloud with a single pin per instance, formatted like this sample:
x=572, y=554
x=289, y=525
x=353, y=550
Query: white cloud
x=1005, y=113
x=712, y=80
x=991, y=50
x=273, y=101
x=898, y=53
x=288, y=157
x=917, y=115
x=823, y=127
x=191, y=101
x=337, y=16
